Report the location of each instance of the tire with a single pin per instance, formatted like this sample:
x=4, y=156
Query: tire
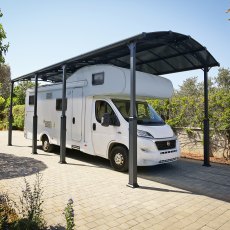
x=119, y=159
x=46, y=146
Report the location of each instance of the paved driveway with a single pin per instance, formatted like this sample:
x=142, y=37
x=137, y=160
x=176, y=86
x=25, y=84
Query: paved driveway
x=182, y=195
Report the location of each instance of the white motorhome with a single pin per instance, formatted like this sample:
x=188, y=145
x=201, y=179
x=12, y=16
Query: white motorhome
x=97, y=116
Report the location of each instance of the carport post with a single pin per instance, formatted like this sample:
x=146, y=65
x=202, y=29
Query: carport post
x=35, y=117
x=10, y=114
x=63, y=119
x=206, y=120
x=133, y=120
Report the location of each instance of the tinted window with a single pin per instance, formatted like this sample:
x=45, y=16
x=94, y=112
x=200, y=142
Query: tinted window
x=31, y=100
x=59, y=104
x=146, y=115
x=98, y=79
x=102, y=107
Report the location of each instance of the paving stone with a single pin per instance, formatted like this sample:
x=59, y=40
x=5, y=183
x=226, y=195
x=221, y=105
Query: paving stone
x=182, y=195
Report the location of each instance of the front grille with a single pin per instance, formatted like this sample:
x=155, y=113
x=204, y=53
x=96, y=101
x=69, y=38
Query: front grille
x=163, y=145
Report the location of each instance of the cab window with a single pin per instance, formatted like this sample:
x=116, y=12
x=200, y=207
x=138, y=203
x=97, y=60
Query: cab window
x=102, y=107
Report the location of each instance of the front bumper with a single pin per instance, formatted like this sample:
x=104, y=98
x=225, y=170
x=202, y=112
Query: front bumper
x=148, y=153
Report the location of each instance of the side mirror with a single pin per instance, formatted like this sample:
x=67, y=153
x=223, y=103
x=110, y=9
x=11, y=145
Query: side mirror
x=115, y=121
x=105, y=120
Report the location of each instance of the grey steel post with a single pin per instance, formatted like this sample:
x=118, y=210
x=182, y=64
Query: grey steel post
x=133, y=120
x=35, y=117
x=63, y=119
x=206, y=120
x=11, y=114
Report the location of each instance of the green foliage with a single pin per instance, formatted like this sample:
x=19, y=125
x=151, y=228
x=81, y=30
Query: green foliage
x=190, y=87
x=18, y=106
x=20, y=92
x=29, y=214
x=69, y=215
x=2, y=103
x=25, y=224
x=223, y=79
x=219, y=108
x=5, y=80
x=31, y=205
x=30, y=209
x=2, y=114
x=3, y=47
x=18, y=115
x=8, y=213
x=186, y=108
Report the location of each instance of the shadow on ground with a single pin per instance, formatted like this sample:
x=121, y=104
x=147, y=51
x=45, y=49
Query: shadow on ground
x=12, y=166
x=185, y=174
x=86, y=159
x=191, y=176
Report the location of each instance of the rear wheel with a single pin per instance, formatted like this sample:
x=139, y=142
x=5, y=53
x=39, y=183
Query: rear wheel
x=119, y=158
x=46, y=146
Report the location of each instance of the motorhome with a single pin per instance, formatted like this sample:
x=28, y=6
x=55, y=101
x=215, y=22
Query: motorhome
x=97, y=113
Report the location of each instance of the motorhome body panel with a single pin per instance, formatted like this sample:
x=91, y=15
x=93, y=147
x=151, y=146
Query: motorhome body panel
x=83, y=130
x=117, y=82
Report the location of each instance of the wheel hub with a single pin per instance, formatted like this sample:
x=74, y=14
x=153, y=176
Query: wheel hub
x=119, y=159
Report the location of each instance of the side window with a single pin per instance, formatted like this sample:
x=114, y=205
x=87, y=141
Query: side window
x=102, y=107
x=98, y=79
x=59, y=104
x=31, y=100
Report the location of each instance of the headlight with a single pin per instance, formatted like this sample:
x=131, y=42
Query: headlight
x=141, y=133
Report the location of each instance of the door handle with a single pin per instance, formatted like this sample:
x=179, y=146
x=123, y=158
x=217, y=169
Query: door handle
x=73, y=120
x=94, y=126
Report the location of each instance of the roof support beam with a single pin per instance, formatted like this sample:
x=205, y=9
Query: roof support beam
x=11, y=114
x=63, y=119
x=206, y=120
x=35, y=117
x=133, y=120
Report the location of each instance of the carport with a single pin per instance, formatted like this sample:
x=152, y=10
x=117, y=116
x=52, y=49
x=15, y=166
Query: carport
x=156, y=53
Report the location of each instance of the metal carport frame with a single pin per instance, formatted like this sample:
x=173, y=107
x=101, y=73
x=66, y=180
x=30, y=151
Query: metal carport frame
x=155, y=53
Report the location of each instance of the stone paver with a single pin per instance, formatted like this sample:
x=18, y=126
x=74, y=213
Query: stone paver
x=183, y=195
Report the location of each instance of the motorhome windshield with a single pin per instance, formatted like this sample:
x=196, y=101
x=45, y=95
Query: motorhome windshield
x=146, y=115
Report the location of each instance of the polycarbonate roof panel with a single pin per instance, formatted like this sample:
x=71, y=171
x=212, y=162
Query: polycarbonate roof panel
x=156, y=53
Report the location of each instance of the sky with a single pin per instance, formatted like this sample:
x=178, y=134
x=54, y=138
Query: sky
x=44, y=32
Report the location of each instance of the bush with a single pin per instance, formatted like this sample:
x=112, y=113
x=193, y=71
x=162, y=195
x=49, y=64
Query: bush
x=18, y=114
x=8, y=213
x=69, y=215
x=31, y=202
x=30, y=211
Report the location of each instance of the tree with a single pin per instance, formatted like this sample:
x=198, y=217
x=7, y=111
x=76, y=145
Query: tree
x=185, y=109
x=20, y=92
x=190, y=87
x=3, y=47
x=223, y=79
x=5, y=81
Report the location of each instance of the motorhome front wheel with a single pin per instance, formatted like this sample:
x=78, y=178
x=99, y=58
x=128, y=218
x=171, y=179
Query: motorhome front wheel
x=119, y=158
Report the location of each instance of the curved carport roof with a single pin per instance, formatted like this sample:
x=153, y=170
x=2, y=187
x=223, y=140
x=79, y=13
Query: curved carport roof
x=155, y=53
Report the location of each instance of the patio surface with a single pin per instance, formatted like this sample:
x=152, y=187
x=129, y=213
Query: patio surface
x=180, y=195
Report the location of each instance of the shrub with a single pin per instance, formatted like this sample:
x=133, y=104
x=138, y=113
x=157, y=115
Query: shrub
x=30, y=205
x=69, y=215
x=18, y=114
x=8, y=213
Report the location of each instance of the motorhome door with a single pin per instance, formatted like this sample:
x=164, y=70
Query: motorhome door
x=76, y=127
x=102, y=136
